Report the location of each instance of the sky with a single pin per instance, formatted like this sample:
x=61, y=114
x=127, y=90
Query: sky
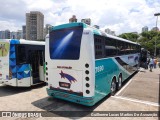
x=121, y=16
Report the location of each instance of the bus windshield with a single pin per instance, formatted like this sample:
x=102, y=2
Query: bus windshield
x=65, y=43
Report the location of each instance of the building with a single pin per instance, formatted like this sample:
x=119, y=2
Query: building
x=155, y=29
x=134, y=33
x=13, y=35
x=16, y=35
x=96, y=26
x=87, y=21
x=19, y=34
x=73, y=19
x=145, y=29
x=108, y=31
x=34, y=25
x=24, y=31
x=7, y=34
x=46, y=30
x=113, y=33
x=2, y=34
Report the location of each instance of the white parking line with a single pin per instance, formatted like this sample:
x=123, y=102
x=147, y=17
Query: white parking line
x=137, y=101
x=126, y=85
x=123, y=87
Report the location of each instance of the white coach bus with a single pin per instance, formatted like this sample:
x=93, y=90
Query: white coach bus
x=21, y=62
x=84, y=64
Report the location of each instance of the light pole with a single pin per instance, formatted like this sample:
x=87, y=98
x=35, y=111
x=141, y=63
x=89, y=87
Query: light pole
x=156, y=14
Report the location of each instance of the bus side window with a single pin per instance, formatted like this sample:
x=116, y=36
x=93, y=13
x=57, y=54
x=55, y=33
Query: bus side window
x=138, y=48
x=120, y=47
x=21, y=54
x=134, y=48
x=110, y=47
x=99, y=46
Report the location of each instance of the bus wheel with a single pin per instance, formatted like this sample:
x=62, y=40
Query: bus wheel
x=119, y=84
x=113, y=87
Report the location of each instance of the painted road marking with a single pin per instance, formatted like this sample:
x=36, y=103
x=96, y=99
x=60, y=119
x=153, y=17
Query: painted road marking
x=123, y=87
x=126, y=85
x=137, y=101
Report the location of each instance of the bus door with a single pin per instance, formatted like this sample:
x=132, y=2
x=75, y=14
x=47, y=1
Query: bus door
x=36, y=60
x=41, y=65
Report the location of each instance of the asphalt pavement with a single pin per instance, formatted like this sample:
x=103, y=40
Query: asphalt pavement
x=139, y=93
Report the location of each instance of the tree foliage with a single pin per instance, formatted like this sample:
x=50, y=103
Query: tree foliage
x=130, y=36
x=145, y=39
x=148, y=40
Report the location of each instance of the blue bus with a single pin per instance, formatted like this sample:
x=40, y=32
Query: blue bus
x=84, y=64
x=21, y=62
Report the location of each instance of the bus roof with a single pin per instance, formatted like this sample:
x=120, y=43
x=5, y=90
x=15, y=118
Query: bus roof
x=23, y=41
x=93, y=29
x=68, y=25
x=102, y=33
x=121, y=39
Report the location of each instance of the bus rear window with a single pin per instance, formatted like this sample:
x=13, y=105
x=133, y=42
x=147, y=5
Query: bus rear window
x=65, y=43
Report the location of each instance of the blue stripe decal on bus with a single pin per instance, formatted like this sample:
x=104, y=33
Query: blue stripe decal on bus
x=12, y=58
x=17, y=71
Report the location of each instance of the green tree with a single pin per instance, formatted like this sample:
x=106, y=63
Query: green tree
x=130, y=36
x=145, y=39
x=148, y=39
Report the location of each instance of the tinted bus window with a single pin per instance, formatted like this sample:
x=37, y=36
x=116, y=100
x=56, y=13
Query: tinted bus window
x=65, y=43
x=110, y=47
x=99, y=45
x=21, y=54
x=122, y=47
x=138, y=48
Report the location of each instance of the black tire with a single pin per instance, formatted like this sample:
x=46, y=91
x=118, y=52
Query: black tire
x=119, y=83
x=113, y=87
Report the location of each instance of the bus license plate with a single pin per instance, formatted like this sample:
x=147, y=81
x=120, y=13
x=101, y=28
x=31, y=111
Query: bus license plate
x=65, y=85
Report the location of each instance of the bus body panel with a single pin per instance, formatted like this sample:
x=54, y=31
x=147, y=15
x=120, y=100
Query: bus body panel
x=12, y=82
x=4, y=60
x=68, y=80
x=24, y=82
x=108, y=68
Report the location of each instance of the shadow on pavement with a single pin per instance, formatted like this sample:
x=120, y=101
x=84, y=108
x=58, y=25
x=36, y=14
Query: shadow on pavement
x=129, y=78
x=62, y=108
x=10, y=90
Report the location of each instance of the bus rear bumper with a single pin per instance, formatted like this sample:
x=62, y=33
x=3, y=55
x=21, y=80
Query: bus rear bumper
x=87, y=101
